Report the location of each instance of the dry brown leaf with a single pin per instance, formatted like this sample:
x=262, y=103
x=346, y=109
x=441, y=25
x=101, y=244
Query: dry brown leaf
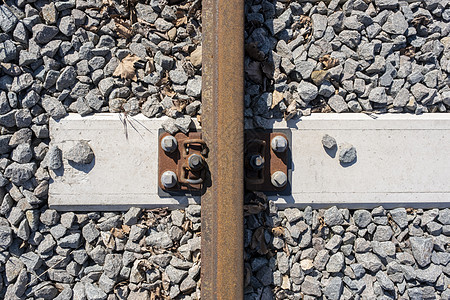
x=326, y=109
x=409, y=51
x=420, y=20
x=322, y=223
x=319, y=76
x=195, y=8
x=254, y=72
x=108, y=240
x=328, y=61
x=305, y=20
x=167, y=91
x=94, y=29
x=126, y=229
x=181, y=21
x=277, y=97
x=259, y=242
x=278, y=231
x=291, y=111
x=186, y=225
x=108, y=3
x=304, y=26
x=178, y=105
x=253, y=51
x=123, y=29
x=118, y=233
x=125, y=69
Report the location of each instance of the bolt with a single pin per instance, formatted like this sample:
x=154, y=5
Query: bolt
x=279, y=179
x=257, y=162
x=195, y=162
x=169, y=179
x=169, y=144
x=279, y=144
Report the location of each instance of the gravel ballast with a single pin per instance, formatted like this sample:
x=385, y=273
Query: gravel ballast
x=345, y=56
x=60, y=57
x=346, y=254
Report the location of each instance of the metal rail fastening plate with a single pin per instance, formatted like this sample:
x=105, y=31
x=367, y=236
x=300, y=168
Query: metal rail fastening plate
x=267, y=165
x=181, y=163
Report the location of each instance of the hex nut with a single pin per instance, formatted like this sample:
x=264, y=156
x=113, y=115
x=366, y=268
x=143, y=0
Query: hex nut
x=195, y=162
x=169, y=179
x=279, y=143
x=279, y=179
x=169, y=144
x=257, y=162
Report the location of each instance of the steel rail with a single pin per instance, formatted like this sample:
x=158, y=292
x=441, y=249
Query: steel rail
x=223, y=130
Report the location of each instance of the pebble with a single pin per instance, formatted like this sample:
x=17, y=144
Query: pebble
x=44, y=33
x=80, y=153
x=53, y=158
x=347, y=153
x=422, y=249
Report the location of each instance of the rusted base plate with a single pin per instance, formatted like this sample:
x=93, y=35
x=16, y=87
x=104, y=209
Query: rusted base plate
x=174, y=162
x=259, y=140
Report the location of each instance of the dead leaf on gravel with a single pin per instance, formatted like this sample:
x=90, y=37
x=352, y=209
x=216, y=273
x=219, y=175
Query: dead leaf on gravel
x=409, y=51
x=125, y=69
x=123, y=29
x=278, y=231
x=108, y=240
x=253, y=51
x=258, y=241
x=178, y=105
x=126, y=229
x=319, y=76
x=304, y=26
x=254, y=72
x=420, y=20
x=328, y=61
x=277, y=97
x=118, y=233
x=181, y=21
x=291, y=111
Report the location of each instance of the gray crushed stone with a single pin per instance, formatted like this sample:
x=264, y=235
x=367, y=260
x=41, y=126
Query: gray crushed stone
x=346, y=56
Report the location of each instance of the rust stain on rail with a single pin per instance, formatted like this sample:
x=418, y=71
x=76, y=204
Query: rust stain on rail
x=223, y=131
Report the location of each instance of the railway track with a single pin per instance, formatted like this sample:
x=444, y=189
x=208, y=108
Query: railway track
x=223, y=130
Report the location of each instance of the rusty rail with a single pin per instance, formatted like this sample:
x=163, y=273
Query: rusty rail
x=223, y=131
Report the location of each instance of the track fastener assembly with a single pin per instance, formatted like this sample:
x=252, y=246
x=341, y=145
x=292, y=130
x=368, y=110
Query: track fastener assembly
x=182, y=162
